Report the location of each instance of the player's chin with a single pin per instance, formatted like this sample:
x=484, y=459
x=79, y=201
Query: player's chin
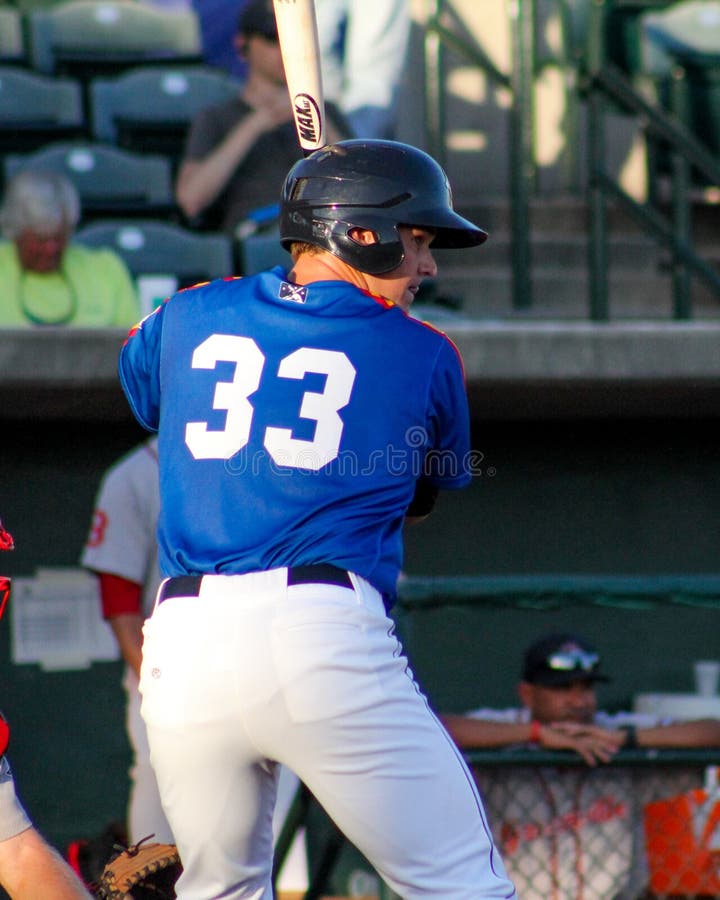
x=406, y=301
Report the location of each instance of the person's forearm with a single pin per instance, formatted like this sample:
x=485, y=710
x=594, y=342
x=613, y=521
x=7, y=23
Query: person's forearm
x=30, y=869
x=468, y=732
x=201, y=182
x=127, y=629
x=697, y=733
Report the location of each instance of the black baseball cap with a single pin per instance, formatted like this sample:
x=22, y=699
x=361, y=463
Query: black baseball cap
x=257, y=17
x=557, y=660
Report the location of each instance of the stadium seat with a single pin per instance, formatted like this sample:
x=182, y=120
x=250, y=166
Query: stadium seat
x=151, y=247
x=12, y=43
x=258, y=252
x=26, y=6
x=110, y=181
x=85, y=38
x=36, y=109
x=149, y=108
x=688, y=34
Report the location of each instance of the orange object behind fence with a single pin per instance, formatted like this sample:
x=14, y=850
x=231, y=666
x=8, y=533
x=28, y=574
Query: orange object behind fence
x=682, y=840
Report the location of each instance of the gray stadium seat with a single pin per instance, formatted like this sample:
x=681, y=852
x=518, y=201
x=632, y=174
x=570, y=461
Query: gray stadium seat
x=262, y=251
x=88, y=37
x=149, y=108
x=156, y=247
x=12, y=43
x=37, y=109
x=688, y=34
x=110, y=181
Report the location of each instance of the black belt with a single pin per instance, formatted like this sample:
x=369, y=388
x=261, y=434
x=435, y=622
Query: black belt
x=322, y=573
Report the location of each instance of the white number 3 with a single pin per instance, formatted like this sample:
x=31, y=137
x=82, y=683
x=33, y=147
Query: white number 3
x=233, y=397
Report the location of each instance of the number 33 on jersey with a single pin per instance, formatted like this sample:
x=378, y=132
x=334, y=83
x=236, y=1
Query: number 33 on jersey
x=233, y=396
x=336, y=402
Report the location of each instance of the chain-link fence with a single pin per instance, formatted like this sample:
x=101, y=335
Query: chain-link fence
x=625, y=831
x=640, y=828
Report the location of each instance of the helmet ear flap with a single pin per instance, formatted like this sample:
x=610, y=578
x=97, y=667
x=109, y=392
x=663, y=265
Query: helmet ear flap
x=382, y=255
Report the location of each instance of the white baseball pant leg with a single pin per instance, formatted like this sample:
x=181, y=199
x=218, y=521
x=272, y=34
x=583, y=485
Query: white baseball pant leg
x=145, y=813
x=311, y=676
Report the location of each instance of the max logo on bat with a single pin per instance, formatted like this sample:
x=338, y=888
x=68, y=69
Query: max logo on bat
x=307, y=116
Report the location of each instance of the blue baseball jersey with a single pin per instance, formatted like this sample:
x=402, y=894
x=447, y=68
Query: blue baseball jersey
x=294, y=422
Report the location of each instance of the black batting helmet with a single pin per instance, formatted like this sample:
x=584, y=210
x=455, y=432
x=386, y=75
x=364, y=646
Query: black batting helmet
x=370, y=184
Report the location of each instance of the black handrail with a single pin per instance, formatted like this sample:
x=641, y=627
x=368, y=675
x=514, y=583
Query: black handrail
x=603, y=83
x=440, y=34
x=550, y=591
x=642, y=756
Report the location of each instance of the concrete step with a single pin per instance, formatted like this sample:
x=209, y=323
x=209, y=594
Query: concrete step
x=561, y=293
x=554, y=251
x=569, y=213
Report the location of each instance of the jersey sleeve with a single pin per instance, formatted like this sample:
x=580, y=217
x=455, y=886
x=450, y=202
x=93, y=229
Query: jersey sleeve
x=119, y=596
x=447, y=464
x=139, y=369
x=13, y=818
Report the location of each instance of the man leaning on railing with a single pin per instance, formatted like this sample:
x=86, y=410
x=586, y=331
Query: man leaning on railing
x=575, y=831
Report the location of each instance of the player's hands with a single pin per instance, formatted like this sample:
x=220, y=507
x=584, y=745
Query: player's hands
x=594, y=744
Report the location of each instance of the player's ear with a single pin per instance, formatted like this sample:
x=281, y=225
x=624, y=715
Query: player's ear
x=363, y=236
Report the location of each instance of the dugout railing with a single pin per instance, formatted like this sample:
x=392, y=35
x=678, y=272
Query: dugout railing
x=649, y=629
x=624, y=862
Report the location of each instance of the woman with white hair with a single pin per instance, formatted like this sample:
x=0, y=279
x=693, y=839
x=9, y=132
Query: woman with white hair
x=46, y=279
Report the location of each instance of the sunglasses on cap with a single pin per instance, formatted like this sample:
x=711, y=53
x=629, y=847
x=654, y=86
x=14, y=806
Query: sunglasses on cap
x=569, y=660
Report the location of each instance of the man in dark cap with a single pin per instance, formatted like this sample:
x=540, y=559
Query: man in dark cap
x=573, y=832
x=237, y=153
x=559, y=705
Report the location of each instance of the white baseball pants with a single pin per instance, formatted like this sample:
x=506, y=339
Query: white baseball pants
x=251, y=672
x=145, y=813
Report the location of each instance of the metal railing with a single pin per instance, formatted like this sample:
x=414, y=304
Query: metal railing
x=604, y=84
x=604, y=87
x=568, y=830
x=648, y=774
x=440, y=35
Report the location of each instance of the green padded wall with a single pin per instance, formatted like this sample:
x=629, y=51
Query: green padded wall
x=604, y=497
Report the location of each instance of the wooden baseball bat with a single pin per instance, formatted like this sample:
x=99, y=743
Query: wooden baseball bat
x=298, y=35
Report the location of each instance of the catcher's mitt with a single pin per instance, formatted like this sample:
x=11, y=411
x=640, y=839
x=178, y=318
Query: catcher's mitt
x=145, y=871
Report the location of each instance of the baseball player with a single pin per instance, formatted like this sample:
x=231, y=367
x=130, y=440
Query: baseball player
x=121, y=548
x=574, y=833
x=30, y=869
x=302, y=417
